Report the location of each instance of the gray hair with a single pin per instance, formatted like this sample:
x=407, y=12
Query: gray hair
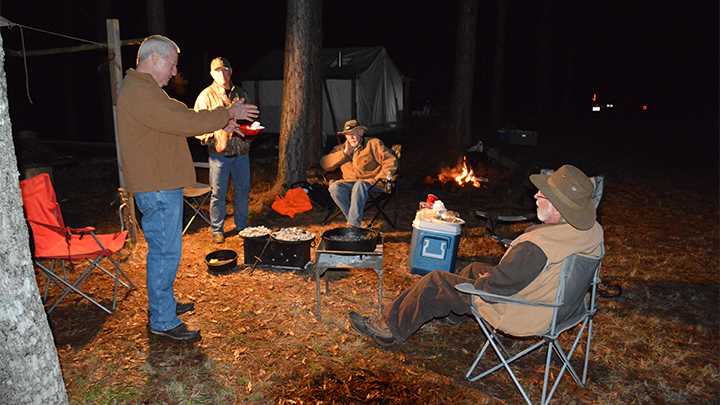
x=158, y=44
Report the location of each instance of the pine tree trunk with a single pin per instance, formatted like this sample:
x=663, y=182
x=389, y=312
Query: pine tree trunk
x=156, y=17
x=464, y=79
x=496, y=93
x=543, y=67
x=296, y=105
x=315, y=90
x=29, y=367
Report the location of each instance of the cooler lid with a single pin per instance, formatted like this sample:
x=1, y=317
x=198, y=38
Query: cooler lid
x=438, y=225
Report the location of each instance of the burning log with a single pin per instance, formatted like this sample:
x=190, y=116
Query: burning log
x=462, y=174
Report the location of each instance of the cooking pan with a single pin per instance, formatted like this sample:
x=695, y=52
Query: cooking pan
x=226, y=261
x=351, y=239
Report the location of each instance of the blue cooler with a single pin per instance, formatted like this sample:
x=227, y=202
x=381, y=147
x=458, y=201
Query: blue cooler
x=434, y=244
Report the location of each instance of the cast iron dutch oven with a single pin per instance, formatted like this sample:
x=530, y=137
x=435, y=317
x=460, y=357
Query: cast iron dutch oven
x=226, y=261
x=351, y=239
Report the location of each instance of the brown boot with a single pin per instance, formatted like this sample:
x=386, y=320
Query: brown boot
x=375, y=328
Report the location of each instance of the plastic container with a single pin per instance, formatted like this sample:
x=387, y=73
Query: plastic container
x=434, y=243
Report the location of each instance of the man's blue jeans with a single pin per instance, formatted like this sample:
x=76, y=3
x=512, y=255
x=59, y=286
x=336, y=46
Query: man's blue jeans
x=221, y=169
x=162, y=226
x=351, y=197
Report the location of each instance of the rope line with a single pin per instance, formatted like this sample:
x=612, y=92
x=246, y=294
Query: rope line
x=24, y=51
x=60, y=35
x=27, y=77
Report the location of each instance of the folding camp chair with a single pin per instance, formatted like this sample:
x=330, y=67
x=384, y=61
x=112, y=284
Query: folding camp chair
x=195, y=198
x=492, y=221
x=380, y=195
x=578, y=278
x=54, y=241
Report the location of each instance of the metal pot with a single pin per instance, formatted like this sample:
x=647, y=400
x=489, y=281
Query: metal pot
x=226, y=261
x=351, y=239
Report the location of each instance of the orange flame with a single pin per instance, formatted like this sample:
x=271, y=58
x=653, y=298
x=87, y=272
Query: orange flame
x=466, y=175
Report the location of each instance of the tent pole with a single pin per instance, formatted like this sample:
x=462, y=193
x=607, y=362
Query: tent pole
x=332, y=110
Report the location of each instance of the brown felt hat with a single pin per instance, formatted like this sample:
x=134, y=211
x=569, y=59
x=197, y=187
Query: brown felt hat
x=351, y=126
x=570, y=191
x=219, y=62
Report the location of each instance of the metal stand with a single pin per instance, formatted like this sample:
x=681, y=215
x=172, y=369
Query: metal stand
x=334, y=259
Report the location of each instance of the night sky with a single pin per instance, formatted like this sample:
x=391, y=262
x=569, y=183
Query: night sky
x=662, y=54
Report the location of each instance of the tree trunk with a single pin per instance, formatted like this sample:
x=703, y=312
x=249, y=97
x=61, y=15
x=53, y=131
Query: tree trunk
x=543, y=66
x=156, y=17
x=30, y=371
x=461, y=104
x=315, y=89
x=496, y=93
x=294, y=123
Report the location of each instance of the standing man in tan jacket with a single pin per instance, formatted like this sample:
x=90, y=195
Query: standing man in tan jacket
x=361, y=161
x=157, y=165
x=529, y=270
x=228, y=153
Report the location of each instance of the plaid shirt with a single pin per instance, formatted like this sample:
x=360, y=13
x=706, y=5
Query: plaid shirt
x=220, y=141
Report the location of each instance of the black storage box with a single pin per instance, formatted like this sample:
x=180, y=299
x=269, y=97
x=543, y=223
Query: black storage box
x=277, y=253
x=527, y=138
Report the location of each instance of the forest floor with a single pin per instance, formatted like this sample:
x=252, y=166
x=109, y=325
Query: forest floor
x=262, y=342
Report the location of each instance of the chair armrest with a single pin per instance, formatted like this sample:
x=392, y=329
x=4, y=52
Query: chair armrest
x=504, y=218
x=495, y=298
x=84, y=231
x=66, y=230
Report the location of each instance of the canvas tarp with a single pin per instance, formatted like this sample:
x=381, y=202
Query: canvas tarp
x=362, y=84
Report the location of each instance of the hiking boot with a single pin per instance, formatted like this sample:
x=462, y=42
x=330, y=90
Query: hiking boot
x=370, y=327
x=182, y=308
x=180, y=332
x=218, y=238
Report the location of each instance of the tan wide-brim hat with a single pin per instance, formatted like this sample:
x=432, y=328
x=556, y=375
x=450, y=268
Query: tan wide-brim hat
x=351, y=126
x=570, y=191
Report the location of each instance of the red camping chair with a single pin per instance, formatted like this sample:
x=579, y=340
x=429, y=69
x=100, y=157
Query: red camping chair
x=54, y=241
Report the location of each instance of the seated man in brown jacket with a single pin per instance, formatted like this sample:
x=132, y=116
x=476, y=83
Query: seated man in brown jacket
x=528, y=270
x=362, y=161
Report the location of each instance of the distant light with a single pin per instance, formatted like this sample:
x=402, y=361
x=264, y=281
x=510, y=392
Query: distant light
x=594, y=97
x=644, y=107
x=609, y=106
x=596, y=108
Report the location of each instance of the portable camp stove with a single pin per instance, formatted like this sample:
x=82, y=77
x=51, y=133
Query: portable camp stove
x=335, y=259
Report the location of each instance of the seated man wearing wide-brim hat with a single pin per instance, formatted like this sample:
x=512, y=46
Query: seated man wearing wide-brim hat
x=529, y=269
x=362, y=160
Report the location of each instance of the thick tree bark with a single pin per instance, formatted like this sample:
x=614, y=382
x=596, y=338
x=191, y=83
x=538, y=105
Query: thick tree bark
x=496, y=92
x=543, y=66
x=156, y=17
x=302, y=22
x=464, y=79
x=29, y=367
x=315, y=89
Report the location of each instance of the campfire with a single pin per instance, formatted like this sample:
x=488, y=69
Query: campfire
x=461, y=174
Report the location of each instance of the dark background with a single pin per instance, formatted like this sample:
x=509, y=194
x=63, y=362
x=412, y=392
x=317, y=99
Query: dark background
x=658, y=54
